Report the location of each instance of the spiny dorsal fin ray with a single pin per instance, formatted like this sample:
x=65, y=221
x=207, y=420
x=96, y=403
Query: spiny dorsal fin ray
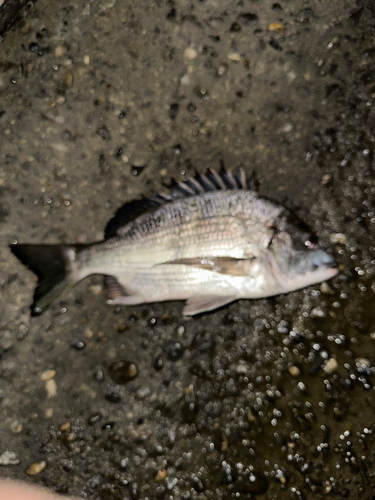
x=204, y=181
x=192, y=186
x=181, y=187
x=240, y=177
x=216, y=179
x=161, y=197
x=195, y=185
x=228, y=178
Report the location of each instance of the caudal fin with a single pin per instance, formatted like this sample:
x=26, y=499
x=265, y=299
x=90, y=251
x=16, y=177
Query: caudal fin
x=53, y=266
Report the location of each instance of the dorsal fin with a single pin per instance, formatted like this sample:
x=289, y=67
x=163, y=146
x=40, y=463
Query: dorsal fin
x=129, y=212
x=192, y=186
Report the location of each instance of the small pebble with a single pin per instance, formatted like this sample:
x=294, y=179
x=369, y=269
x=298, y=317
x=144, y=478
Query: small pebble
x=96, y=289
x=222, y=69
x=47, y=375
x=325, y=288
x=113, y=397
x=60, y=51
x=36, y=468
x=318, y=312
x=93, y=419
x=89, y=333
x=158, y=363
x=242, y=369
x=161, y=475
x=173, y=351
x=338, y=239
x=180, y=330
x=330, y=366
x=190, y=53
x=78, y=345
x=9, y=458
x=65, y=427
x=285, y=129
x=278, y=27
x=185, y=79
x=326, y=179
x=363, y=362
x=294, y=371
x=59, y=147
x=51, y=388
x=22, y=331
x=16, y=427
x=99, y=375
x=122, y=372
x=123, y=328
x=143, y=392
x=68, y=79
x=48, y=413
x=234, y=56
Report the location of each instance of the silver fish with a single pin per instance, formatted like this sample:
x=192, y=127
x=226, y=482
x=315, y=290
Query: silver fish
x=213, y=240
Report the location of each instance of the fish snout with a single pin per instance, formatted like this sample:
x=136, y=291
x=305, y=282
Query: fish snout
x=322, y=259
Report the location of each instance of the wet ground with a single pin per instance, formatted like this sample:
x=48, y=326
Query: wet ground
x=103, y=101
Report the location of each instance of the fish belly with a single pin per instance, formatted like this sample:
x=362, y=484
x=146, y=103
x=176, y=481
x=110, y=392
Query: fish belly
x=180, y=282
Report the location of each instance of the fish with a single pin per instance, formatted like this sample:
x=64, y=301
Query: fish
x=211, y=240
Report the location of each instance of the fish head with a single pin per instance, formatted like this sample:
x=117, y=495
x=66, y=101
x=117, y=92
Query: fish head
x=295, y=256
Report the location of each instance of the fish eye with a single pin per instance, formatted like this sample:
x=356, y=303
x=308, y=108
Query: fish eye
x=312, y=242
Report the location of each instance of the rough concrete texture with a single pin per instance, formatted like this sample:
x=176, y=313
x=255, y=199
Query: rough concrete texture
x=103, y=101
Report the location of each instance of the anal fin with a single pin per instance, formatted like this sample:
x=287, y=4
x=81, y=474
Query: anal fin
x=200, y=304
x=113, y=288
x=117, y=294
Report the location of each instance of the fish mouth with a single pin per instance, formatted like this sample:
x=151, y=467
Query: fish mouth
x=323, y=260
x=324, y=267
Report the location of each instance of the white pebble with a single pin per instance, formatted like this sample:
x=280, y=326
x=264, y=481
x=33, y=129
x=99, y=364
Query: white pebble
x=330, y=366
x=190, y=53
x=234, y=56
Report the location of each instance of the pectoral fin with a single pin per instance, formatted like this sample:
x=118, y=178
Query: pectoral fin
x=200, y=304
x=223, y=265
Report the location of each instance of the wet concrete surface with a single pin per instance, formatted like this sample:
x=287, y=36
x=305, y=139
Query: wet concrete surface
x=273, y=399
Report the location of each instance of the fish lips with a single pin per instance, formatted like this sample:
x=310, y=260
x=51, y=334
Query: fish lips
x=323, y=260
x=324, y=267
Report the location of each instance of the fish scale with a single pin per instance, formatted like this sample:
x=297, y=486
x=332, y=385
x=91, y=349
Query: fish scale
x=183, y=232
x=173, y=243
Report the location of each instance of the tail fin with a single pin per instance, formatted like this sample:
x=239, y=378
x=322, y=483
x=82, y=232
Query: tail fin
x=53, y=266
